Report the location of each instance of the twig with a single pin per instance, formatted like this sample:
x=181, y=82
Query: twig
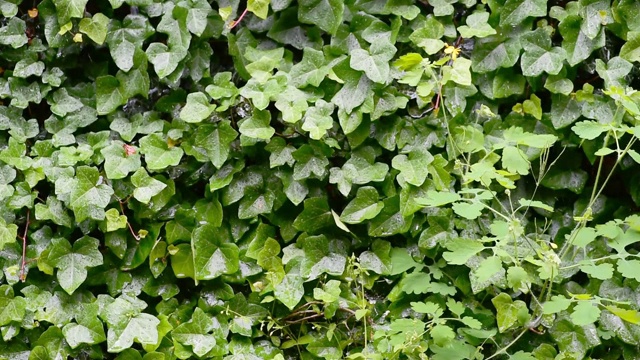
x=23, y=262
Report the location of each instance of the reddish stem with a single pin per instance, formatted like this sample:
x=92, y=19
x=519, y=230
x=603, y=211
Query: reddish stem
x=23, y=263
x=133, y=233
x=234, y=23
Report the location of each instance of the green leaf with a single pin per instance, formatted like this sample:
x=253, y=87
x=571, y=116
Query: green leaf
x=14, y=33
x=95, y=28
x=315, y=216
x=539, y=56
x=109, y=95
x=164, y=60
x=214, y=253
x=257, y=125
x=290, y=290
x=88, y=196
x=212, y=143
x=515, y=12
x=629, y=268
x=413, y=168
x=313, y=67
x=120, y=160
x=326, y=14
x=508, y=311
x=576, y=43
x=54, y=210
x=127, y=323
x=146, y=187
x=493, y=53
x=197, y=108
x=364, y=206
x=157, y=153
x=68, y=9
x=8, y=233
x=375, y=62
x=196, y=333
x=585, y=313
x=589, y=130
x=14, y=155
x=477, y=26
x=87, y=329
x=260, y=8
x=600, y=271
x=318, y=120
x=72, y=262
x=461, y=250
x=557, y=304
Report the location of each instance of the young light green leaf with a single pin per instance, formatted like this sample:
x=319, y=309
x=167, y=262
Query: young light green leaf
x=158, y=154
x=197, y=108
x=146, y=187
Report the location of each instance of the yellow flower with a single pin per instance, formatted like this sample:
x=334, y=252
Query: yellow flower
x=451, y=50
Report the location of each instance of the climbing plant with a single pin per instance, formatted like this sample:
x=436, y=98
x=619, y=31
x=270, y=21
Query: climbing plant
x=319, y=179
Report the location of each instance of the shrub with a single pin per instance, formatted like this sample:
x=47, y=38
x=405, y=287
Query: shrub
x=370, y=179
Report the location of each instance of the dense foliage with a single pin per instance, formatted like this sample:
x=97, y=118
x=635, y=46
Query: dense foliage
x=375, y=179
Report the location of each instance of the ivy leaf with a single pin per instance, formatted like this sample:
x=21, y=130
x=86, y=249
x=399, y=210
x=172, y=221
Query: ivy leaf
x=539, y=56
x=54, y=210
x=259, y=8
x=508, y=311
x=318, y=120
x=197, y=108
x=109, y=94
x=127, y=323
x=214, y=253
x=146, y=187
x=196, y=333
x=326, y=14
x=72, y=262
x=8, y=233
x=87, y=329
x=14, y=33
x=164, y=60
x=290, y=290
x=413, y=168
x=118, y=162
x=124, y=38
x=157, y=153
x=14, y=155
x=493, y=53
x=477, y=26
x=364, y=206
x=315, y=216
x=95, y=28
x=257, y=125
x=212, y=143
x=515, y=12
x=576, y=43
x=375, y=62
x=311, y=70
x=68, y=9
x=88, y=196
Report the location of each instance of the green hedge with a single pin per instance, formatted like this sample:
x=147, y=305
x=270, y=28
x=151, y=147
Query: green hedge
x=370, y=179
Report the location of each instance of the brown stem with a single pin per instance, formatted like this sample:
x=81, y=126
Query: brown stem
x=23, y=262
x=310, y=317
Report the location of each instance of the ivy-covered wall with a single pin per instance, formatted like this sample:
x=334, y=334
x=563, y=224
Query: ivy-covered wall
x=319, y=179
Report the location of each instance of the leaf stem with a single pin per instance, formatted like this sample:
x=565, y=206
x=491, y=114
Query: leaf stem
x=23, y=262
